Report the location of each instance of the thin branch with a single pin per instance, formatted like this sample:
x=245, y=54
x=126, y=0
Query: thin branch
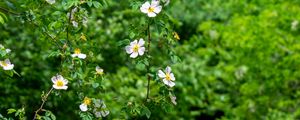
x=148, y=66
x=44, y=99
x=8, y=11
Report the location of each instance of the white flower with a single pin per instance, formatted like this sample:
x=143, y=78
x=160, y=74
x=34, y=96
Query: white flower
x=77, y=53
x=7, y=50
x=167, y=77
x=59, y=82
x=99, y=70
x=100, y=109
x=74, y=23
x=50, y=1
x=6, y=65
x=151, y=9
x=136, y=48
x=83, y=107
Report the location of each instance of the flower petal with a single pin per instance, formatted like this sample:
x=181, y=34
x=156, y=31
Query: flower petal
x=133, y=43
x=144, y=8
x=172, y=76
x=83, y=107
x=165, y=81
x=54, y=79
x=82, y=56
x=129, y=49
x=141, y=51
x=161, y=74
x=154, y=3
x=157, y=9
x=141, y=42
x=171, y=84
x=134, y=54
x=168, y=69
x=151, y=14
x=74, y=55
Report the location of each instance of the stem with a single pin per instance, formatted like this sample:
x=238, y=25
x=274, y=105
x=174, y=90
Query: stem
x=148, y=66
x=9, y=12
x=44, y=99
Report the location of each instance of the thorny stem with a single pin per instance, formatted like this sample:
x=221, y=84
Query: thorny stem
x=44, y=99
x=148, y=66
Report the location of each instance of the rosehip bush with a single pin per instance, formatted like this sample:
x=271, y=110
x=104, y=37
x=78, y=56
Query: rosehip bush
x=149, y=59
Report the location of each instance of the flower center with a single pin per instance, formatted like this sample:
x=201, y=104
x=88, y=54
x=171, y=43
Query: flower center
x=168, y=77
x=87, y=101
x=59, y=83
x=77, y=51
x=150, y=9
x=4, y=63
x=135, y=48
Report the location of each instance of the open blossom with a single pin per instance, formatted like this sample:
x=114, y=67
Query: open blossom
x=84, y=106
x=59, y=82
x=77, y=53
x=136, y=48
x=100, y=109
x=6, y=65
x=50, y=1
x=151, y=9
x=167, y=76
x=99, y=70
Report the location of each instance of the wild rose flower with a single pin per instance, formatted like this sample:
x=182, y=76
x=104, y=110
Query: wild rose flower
x=151, y=9
x=84, y=106
x=6, y=65
x=136, y=48
x=167, y=76
x=77, y=53
x=59, y=82
x=50, y=1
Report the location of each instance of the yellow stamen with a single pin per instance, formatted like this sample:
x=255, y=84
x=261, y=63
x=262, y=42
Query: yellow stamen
x=3, y=63
x=59, y=83
x=150, y=9
x=168, y=76
x=87, y=101
x=77, y=51
x=176, y=36
x=135, y=48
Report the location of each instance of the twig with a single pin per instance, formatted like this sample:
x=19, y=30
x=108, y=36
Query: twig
x=8, y=11
x=148, y=66
x=44, y=99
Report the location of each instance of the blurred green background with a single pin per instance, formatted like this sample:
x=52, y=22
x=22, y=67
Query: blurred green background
x=239, y=59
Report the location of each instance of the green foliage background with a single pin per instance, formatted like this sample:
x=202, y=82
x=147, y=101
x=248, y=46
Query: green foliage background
x=239, y=59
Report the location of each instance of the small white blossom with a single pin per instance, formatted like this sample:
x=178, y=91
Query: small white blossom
x=84, y=106
x=167, y=77
x=294, y=25
x=99, y=70
x=151, y=9
x=74, y=23
x=6, y=65
x=136, y=48
x=50, y=1
x=7, y=50
x=173, y=98
x=77, y=53
x=59, y=82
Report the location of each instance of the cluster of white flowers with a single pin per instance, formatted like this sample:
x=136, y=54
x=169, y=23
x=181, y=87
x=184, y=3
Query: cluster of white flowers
x=136, y=48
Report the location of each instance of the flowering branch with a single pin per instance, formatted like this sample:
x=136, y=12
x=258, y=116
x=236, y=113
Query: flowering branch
x=44, y=99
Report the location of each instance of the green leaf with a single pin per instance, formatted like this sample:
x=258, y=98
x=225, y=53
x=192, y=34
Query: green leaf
x=11, y=110
x=96, y=4
x=146, y=111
